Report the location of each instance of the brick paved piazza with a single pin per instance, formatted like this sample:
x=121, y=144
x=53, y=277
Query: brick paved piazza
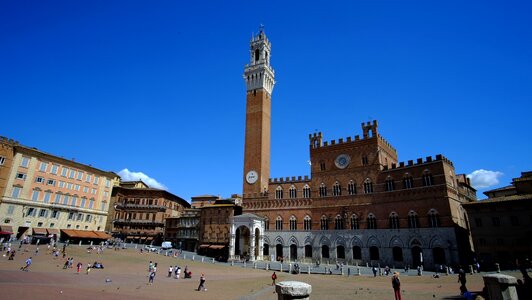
x=127, y=270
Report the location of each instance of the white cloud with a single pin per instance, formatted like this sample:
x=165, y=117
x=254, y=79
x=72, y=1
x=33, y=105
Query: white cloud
x=134, y=176
x=481, y=179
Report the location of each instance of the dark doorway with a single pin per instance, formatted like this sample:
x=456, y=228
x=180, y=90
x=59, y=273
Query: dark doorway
x=293, y=252
x=325, y=251
x=439, y=255
x=357, y=252
x=340, y=252
x=416, y=256
x=397, y=254
x=266, y=250
x=308, y=251
x=374, y=253
x=279, y=251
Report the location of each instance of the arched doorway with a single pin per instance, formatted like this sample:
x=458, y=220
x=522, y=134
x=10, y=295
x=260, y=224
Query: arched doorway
x=266, y=250
x=417, y=256
x=308, y=251
x=325, y=251
x=374, y=253
x=279, y=251
x=293, y=252
x=340, y=252
x=242, y=241
x=257, y=243
x=397, y=254
x=439, y=256
x=357, y=252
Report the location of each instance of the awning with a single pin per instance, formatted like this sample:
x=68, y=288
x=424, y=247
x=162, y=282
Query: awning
x=204, y=246
x=52, y=231
x=40, y=231
x=149, y=238
x=130, y=237
x=216, y=246
x=85, y=234
x=6, y=228
x=102, y=235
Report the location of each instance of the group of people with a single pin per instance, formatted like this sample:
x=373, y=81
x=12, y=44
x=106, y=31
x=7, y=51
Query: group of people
x=174, y=271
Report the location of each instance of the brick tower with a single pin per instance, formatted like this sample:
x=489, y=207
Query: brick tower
x=259, y=77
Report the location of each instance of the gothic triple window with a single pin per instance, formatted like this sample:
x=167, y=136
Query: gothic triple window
x=339, y=223
x=413, y=220
x=279, y=193
x=408, y=182
x=293, y=223
x=354, y=222
x=368, y=186
x=323, y=190
x=427, y=178
x=372, y=222
x=266, y=224
x=337, y=189
x=279, y=223
x=394, y=221
x=293, y=192
x=351, y=188
x=434, y=219
x=389, y=185
x=307, y=223
x=324, y=223
x=306, y=191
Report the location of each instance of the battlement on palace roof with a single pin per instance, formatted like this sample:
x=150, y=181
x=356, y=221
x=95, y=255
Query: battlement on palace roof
x=369, y=131
x=292, y=179
x=418, y=162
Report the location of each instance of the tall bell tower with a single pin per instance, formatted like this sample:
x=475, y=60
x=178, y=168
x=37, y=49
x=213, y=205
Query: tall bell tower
x=259, y=77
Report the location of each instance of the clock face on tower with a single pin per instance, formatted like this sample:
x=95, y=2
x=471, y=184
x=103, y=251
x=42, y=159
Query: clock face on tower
x=342, y=161
x=252, y=177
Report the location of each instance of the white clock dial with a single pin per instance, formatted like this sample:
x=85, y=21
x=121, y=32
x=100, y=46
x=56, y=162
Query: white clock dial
x=342, y=161
x=252, y=177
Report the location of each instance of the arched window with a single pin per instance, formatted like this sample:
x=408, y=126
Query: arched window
x=434, y=219
x=368, y=186
x=413, y=220
x=339, y=223
x=372, y=222
x=307, y=223
x=389, y=185
x=337, y=189
x=351, y=188
x=354, y=222
x=293, y=192
x=340, y=252
x=394, y=221
x=323, y=190
x=293, y=223
x=266, y=224
x=279, y=193
x=257, y=55
x=306, y=191
x=324, y=223
x=427, y=178
x=279, y=223
x=408, y=182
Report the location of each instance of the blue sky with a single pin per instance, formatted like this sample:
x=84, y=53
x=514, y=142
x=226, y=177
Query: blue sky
x=156, y=87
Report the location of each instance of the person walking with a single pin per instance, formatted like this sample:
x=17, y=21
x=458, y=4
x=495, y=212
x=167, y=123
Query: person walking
x=79, y=267
x=170, y=270
x=152, y=276
x=202, y=283
x=274, y=277
x=178, y=272
x=462, y=280
x=88, y=268
x=28, y=263
x=396, y=284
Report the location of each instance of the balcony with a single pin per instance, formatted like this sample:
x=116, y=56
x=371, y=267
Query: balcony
x=140, y=206
x=138, y=222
